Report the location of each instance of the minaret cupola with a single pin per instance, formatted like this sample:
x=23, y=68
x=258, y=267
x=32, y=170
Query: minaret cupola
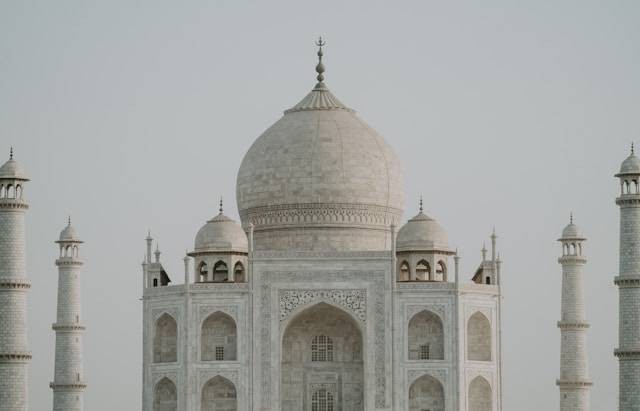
x=12, y=179
x=629, y=175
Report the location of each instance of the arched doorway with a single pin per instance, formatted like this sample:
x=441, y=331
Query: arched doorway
x=480, y=397
x=322, y=366
x=218, y=341
x=426, y=393
x=426, y=337
x=219, y=394
x=165, y=396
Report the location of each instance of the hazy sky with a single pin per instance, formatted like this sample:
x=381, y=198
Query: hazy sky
x=135, y=115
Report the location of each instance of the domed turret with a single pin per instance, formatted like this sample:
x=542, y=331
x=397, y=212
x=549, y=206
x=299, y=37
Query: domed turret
x=69, y=234
x=221, y=249
x=320, y=179
x=629, y=175
x=422, y=249
x=12, y=179
x=572, y=239
x=69, y=241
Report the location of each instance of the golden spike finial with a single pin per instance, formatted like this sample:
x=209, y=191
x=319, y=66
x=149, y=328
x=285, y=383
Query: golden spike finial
x=320, y=67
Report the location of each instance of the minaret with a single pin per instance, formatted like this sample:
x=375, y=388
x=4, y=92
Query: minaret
x=68, y=381
x=574, y=382
x=628, y=281
x=14, y=353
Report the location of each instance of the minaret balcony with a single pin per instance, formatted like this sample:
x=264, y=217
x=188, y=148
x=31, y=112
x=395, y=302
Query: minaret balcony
x=573, y=384
x=627, y=281
x=14, y=283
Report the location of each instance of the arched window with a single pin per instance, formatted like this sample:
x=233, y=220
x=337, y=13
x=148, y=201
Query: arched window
x=625, y=189
x=220, y=272
x=219, y=394
x=426, y=337
x=441, y=271
x=404, y=271
x=426, y=393
x=238, y=273
x=155, y=282
x=423, y=271
x=10, y=191
x=321, y=348
x=18, y=191
x=480, y=397
x=322, y=400
x=202, y=272
x=165, y=396
x=218, y=339
x=165, y=341
x=2, y=191
x=479, y=338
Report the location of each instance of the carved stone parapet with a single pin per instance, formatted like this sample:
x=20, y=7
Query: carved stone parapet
x=573, y=384
x=78, y=386
x=572, y=259
x=627, y=281
x=68, y=261
x=627, y=354
x=12, y=203
x=67, y=327
x=632, y=200
x=15, y=283
x=576, y=325
x=15, y=356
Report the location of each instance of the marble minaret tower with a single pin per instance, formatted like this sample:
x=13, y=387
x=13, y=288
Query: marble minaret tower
x=574, y=381
x=628, y=282
x=14, y=353
x=68, y=382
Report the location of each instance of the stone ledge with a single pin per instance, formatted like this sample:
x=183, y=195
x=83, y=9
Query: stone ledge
x=574, y=384
x=628, y=199
x=67, y=327
x=13, y=204
x=68, y=262
x=15, y=283
x=576, y=259
x=566, y=325
x=627, y=281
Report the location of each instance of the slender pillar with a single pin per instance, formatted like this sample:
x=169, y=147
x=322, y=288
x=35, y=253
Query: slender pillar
x=68, y=381
x=14, y=352
x=628, y=282
x=574, y=382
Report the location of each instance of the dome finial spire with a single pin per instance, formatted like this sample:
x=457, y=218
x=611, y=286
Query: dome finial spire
x=69, y=220
x=320, y=67
x=571, y=217
x=632, y=148
x=221, y=209
x=421, y=203
x=11, y=153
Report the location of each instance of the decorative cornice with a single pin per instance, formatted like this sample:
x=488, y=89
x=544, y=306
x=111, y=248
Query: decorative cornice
x=68, y=261
x=627, y=281
x=572, y=259
x=628, y=200
x=320, y=215
x=67, y=327
x=574, y=384
x=298, y=255
x=627, y=354
x=575, y=325
x=15, y=356
x=79, y=386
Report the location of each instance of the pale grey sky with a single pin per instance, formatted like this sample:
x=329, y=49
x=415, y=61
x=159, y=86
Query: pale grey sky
x=135, y=115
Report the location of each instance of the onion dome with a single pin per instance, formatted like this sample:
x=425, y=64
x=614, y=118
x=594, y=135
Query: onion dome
x=69, y=234
x=221, y=234
x=572, y=232
x=320, y=179
x=11, y=170
x=631, y=165
x=422, y=233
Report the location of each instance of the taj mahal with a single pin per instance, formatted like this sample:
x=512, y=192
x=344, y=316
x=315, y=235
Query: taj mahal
x=321, y=297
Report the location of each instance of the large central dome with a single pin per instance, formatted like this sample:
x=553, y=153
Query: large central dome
x=320, y=179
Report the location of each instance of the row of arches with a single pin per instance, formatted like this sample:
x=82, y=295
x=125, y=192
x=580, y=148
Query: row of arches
x=69, y=251
x=218, y=339
x=629, y=186
x=427, y=394
x=221, y=272
x=423, y=271
x=426, y=337
x=218, y=394
x=572, y=249
x=11, y=191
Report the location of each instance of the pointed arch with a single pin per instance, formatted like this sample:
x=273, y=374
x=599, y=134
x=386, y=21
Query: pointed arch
x=165, y=340
x=218, y=338
x=425, y=337
x=220, y=271
x=404, y=274
x=423, y=271
x=219, y=394
x=238, y=273
x=426, y=393
x=479, y=338
x=2, y=191
x=441, y=271
x=10, y=191
x=165, y=396
x=322, y=399
x=203, y=272
x=18, y=191
x=480, y=395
